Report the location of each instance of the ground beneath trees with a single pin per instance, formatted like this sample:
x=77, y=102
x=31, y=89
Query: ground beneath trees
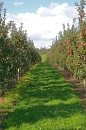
x=43, y=100
x=81, y=89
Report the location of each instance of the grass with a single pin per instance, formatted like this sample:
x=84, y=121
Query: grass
x=44, y=57
x=44, y=101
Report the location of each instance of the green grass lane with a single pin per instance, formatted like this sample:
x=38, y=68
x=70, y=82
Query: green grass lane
x=45, y=101
x=43, y=57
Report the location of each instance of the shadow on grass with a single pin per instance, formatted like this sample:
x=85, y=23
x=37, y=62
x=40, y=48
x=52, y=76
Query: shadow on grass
x=40, y=112
x=45, y=85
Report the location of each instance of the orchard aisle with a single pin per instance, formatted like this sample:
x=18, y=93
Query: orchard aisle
x=45, y=101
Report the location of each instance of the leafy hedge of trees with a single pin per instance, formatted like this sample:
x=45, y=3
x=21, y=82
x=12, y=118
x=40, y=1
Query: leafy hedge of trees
x=17, y=53
x=69, y=51
x=43, y=50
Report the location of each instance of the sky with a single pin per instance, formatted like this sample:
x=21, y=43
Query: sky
x=42, y=19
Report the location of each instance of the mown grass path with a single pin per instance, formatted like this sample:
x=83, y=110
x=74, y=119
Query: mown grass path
x=45, y=101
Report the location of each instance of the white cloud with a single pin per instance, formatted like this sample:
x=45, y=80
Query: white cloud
x=46, y=23
x=18, y=3
x=53, y=5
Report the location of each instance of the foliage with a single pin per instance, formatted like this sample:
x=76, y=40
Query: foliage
x=16, y=53
x=43, y=50
x=69, y=52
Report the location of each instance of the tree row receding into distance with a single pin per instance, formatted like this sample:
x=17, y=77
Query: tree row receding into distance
x=17, y=53
x=69, y=51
